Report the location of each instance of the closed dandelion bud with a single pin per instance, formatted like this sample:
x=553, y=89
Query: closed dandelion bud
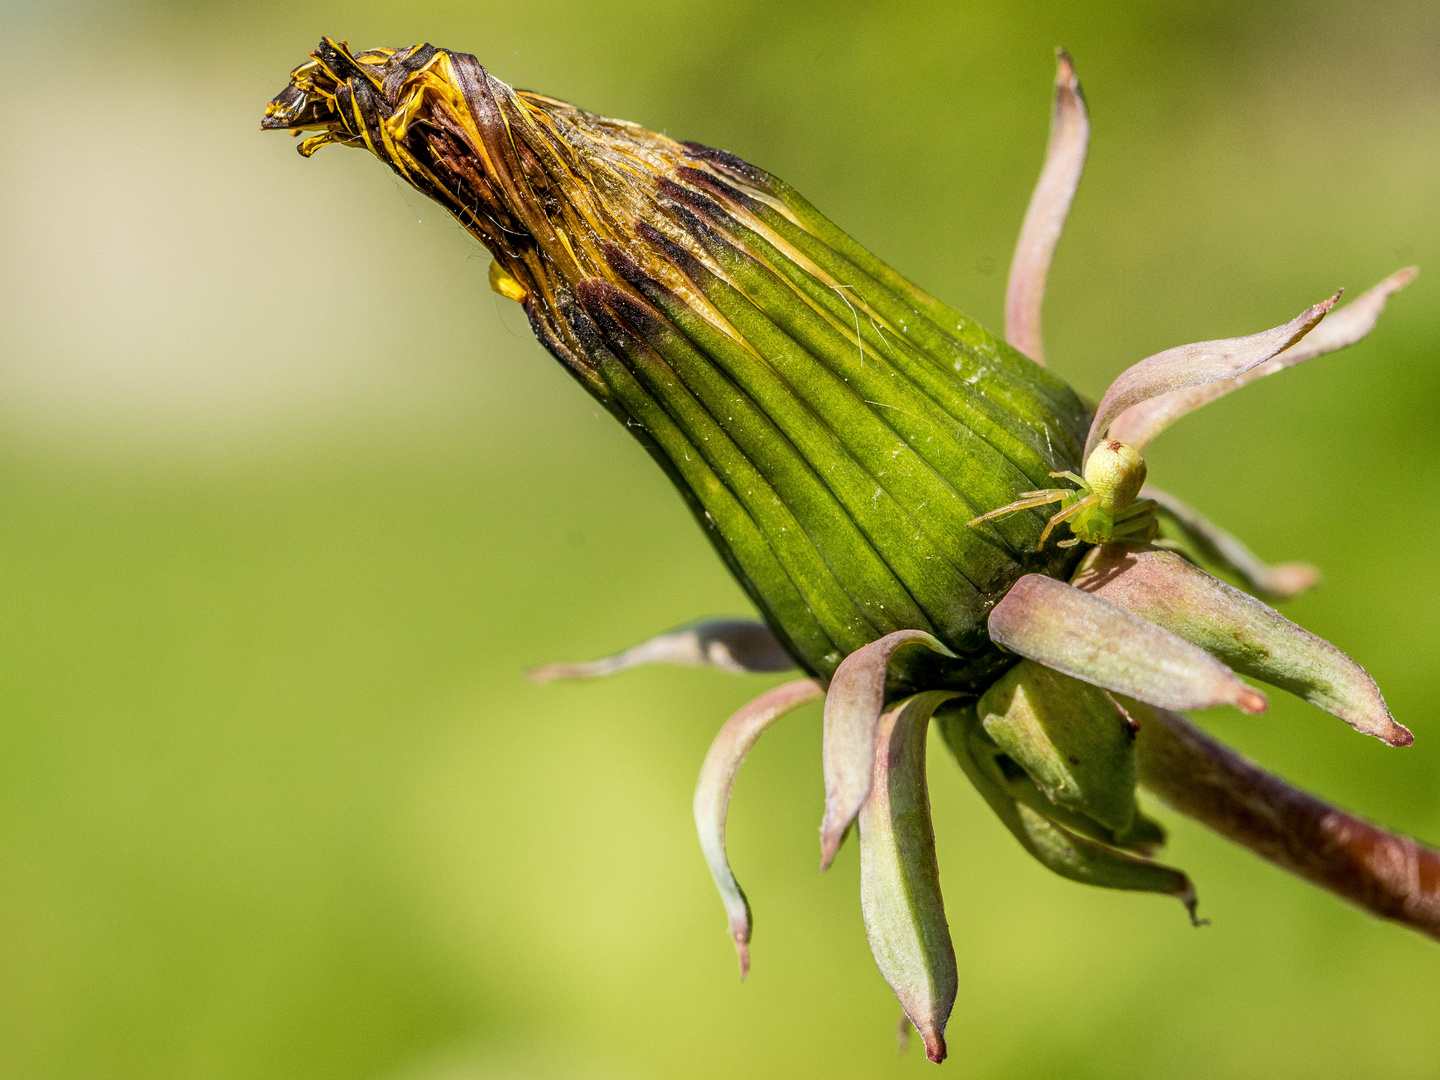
x=927, y=520
x=831, y=432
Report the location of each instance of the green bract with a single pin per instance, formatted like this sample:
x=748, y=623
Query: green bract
x=872, y=466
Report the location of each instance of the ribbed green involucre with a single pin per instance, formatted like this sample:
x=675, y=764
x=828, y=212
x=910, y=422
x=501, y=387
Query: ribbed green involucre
x=833, y=427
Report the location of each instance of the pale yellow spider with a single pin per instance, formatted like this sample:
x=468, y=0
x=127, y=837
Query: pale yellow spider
x=1104, y=507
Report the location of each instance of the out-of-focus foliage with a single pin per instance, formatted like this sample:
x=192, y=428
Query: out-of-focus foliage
x=289, y=500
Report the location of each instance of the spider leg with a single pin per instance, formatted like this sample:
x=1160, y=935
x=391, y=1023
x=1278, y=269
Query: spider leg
x=1031, y=499
x=1077, y=481
x=1141, y=527
x=1134, y=510
x=1066, y=514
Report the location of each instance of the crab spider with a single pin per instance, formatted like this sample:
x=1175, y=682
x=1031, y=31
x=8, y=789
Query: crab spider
x=1103, y=508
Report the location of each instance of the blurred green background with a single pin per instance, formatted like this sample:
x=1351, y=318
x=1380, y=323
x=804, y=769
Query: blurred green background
x=291, y=500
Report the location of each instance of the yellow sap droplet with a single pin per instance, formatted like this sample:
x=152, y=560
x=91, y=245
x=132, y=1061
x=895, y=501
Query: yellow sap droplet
x=505, y=285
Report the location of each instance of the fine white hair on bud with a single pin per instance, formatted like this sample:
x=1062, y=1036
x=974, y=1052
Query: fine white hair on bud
x=1115, y=472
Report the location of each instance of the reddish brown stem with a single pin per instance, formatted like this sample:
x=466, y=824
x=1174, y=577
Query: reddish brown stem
x=1388, y=875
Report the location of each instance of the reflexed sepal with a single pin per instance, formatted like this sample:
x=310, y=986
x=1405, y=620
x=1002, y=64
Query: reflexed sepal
x=1101, y=643
x=1049, y=206
x=1224, y=551
x=1141, y=423
x=1145, y=836
x=739, y=646
x=1187, y=366
x=1070, y=737
x=899, y=877
x=1053, y=846
x=1248, y=635
x=853, y=704
x=712, y=795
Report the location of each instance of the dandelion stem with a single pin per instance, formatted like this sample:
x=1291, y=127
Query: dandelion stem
x=1385, y=873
